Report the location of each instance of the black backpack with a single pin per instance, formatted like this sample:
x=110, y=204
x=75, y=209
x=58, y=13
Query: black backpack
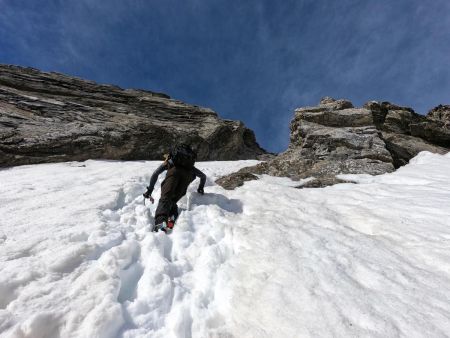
x=182, y=155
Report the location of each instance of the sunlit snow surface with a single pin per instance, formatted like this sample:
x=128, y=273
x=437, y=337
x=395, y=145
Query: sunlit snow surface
x=77, y=258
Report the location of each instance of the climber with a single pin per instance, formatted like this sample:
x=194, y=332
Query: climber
x=179, y=164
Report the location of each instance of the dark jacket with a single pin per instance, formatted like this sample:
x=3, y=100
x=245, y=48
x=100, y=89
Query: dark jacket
x=167, y=165
x=173, y=188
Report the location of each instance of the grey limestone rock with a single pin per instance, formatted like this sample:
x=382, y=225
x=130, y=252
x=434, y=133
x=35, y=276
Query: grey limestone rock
x=440, y=113
x=400, y=121
x=407, y=133
x=404, y=147
x=337, y=138
x=50, y=117
x=235, y=180
x=435, y=128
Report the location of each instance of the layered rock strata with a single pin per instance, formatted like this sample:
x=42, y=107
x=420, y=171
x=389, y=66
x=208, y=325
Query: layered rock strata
x=50, y=117
x=407, y=133
x=337, y=138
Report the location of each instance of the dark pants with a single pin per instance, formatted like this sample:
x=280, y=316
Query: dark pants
x=173, y=188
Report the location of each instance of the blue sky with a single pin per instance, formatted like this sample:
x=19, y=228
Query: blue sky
x=255, y=61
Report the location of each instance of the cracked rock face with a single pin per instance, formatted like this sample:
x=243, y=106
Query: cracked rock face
x=407, y=133
x=337, y=138
x=50, y=117
x=440, y=113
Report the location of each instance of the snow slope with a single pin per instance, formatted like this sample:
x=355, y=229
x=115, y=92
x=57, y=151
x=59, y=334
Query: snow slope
x=77, y=258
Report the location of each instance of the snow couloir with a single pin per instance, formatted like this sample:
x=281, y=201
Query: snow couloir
x=77, y=257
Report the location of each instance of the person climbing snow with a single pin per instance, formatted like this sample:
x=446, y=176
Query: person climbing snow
x=179, y=164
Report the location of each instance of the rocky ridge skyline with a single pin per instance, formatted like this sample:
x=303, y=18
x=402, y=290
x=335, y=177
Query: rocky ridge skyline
x=337, y=138
x=52, y=117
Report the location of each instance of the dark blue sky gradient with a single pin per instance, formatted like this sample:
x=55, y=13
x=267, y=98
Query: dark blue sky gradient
x=255, y=61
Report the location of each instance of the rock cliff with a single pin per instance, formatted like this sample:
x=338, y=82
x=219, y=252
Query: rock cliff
x=51, y=117
x=337, y=138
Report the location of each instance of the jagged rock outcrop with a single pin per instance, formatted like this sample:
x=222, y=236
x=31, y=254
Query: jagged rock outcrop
x=337, y=138
x=407, y=133
x=50, y=117
x=440, y=113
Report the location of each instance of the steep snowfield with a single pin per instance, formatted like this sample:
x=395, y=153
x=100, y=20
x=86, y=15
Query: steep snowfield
x=77, y=258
